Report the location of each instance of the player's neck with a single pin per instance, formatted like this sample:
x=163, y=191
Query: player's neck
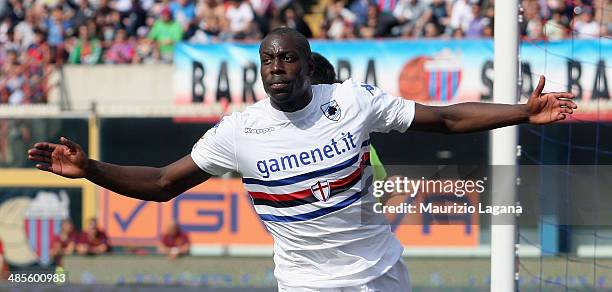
x=296, y=105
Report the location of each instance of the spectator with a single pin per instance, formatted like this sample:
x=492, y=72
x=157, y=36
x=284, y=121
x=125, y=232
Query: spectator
x=458, y=33
x=377, y=25
x=12, y=81
x=39, y=50
x=430, y=30
x=174, y=243
x=339, y=29
x=146, y=52
x=56, y=27
x=83, y=14
x=240, y=18
x=209, y=10
x=121, y=51
x=337, y=8
x=410, y=15
x=10, y=43
x=277, y=19
x=109, y=30
x=488, y=30
x=183, y=11
x=488, y=9
x=555, y=28
x=461, y=15
x=360, y=9
x=92, y=241
x=476, y=24
x=339, y=21
x=207, y=32
x=37, y=69
x=263, y=10
x=16, y=11
x=437, y=14
x=135, y=19
x=5, y=26
x=87, y=48
x=296, y=22
x=531, y=26
x=166, y=32
x=211, y=18
x=603, y=16
x=24, y=30
x=104, y=9
x=585, y=26
x=64, y=243
x=103, y=25
x=118, y=27
x=67, y=7
x=535, y=31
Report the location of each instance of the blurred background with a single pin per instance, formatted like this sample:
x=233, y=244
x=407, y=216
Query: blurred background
x=138, y=82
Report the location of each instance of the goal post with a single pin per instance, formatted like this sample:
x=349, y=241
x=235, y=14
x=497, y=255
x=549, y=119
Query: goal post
x=503, y=144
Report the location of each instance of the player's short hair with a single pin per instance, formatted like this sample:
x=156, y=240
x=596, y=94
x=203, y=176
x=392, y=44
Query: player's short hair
x=301, y=41
x=323, y=70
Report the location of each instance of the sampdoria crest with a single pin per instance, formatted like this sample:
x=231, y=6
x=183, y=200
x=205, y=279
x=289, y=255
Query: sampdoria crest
x=332, y=110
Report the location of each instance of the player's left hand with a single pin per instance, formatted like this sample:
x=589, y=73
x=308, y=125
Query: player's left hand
x=549, y=107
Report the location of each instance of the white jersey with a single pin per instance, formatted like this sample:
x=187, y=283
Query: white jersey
x=306, y=174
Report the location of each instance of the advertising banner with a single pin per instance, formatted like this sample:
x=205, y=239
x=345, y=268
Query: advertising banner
x=428, y=71
x=216, y=212
x=31, y=218
x=220, y=212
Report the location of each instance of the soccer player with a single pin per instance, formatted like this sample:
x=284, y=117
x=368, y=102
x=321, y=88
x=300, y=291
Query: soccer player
x=301, y=153
x=323, y=71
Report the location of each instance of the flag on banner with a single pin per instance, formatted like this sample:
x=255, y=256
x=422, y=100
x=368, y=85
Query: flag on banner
x=43, y=219
x=444, y=76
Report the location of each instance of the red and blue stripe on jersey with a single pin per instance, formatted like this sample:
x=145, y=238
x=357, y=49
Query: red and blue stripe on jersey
x=305, y=196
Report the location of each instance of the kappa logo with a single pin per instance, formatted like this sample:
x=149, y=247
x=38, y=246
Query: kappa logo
x=321, y=190
x=258, y=131
x=332, y=111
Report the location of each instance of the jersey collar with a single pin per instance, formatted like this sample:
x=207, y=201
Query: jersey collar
x=292, y=116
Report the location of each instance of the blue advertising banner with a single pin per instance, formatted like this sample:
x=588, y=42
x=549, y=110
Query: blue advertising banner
x=428, y=71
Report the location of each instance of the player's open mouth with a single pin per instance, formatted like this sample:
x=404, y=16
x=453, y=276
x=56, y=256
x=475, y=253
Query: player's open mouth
x=279, y=85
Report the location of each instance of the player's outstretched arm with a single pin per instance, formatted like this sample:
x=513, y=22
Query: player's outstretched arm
x=145, y=183
x=475, y=116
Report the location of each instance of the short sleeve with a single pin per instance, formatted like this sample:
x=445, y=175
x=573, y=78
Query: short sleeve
x=215, y=152
x=387, y=112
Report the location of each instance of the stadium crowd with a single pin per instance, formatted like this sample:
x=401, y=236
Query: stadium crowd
x=36, y=34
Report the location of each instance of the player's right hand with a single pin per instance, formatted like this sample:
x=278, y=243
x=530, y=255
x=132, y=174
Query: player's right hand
x=66, y=159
